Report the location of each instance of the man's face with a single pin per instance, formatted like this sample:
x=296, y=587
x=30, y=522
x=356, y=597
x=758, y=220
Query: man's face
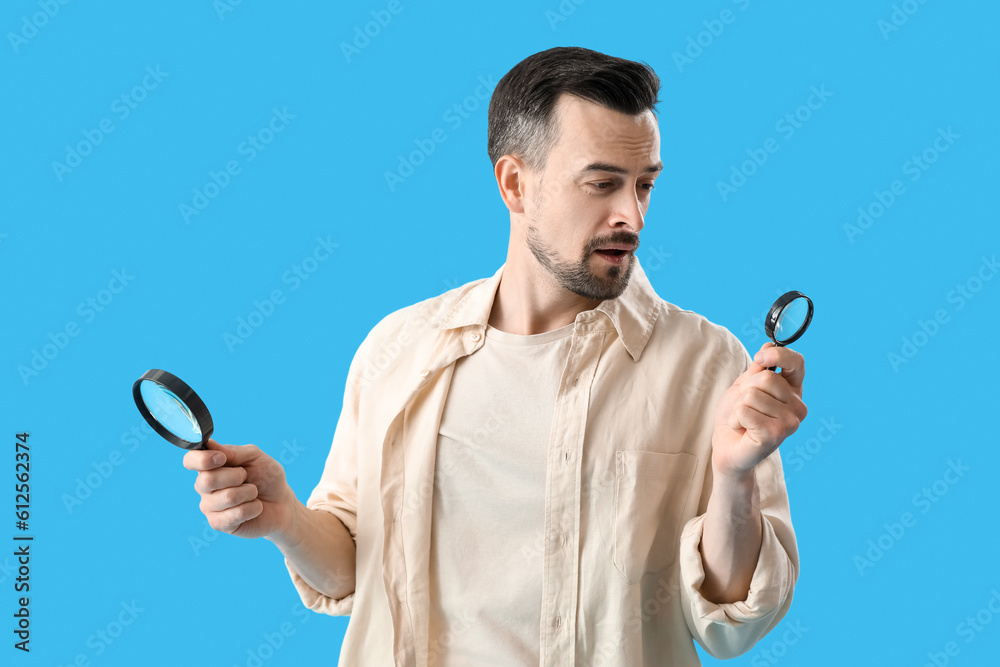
x=586, y=207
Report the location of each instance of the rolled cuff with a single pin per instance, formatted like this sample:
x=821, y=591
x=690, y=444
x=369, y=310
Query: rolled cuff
x=315, y=600
x=731, y=629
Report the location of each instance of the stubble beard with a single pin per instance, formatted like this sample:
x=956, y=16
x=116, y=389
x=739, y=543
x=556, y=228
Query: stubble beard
x=578, y=277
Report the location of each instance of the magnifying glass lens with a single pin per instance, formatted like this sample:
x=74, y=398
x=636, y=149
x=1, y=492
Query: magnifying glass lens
x=170, y=411
x=788, y=318
x=791, y=319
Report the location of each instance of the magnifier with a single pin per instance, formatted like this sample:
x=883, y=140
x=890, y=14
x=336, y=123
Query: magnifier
x=173, y=409
x=788, y=319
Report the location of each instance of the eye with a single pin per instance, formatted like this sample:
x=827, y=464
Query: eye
x=648, y=187
x=603, y=185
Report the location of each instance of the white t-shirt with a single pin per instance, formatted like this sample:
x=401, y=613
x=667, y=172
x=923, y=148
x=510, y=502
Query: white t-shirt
x=489, y=501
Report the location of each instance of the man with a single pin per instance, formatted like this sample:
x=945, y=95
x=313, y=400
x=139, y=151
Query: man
x=553, y=465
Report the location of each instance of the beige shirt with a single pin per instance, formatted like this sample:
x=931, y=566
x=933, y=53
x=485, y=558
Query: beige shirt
x=627, y=483
x=488, y=514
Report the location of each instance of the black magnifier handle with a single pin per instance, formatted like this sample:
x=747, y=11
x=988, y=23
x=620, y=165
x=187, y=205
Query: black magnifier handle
x=773, y=368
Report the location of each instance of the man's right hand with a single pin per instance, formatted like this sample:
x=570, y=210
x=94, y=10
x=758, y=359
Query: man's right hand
x=243, y=490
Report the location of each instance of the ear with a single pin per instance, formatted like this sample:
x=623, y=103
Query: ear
x=512, y=179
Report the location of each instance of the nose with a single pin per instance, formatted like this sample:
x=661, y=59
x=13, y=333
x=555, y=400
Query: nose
x=629, y=212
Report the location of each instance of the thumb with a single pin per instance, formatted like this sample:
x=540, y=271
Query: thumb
x=757, y=366
x=236, y=455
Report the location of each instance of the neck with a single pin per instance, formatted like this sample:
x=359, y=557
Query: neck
x=530, y=301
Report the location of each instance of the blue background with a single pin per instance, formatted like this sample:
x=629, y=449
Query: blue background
x=115, y=516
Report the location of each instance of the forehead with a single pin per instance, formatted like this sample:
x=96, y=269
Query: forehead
x=589, y=132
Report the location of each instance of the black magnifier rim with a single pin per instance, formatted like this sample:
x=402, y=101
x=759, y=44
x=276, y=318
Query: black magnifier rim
x=772, y=317
x=185, y=394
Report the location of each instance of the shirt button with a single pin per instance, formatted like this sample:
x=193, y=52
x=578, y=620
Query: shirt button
x=424, y=373
x=557, y=622
x=475, y=337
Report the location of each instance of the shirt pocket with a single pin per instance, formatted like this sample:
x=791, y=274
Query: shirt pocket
x=651, y=495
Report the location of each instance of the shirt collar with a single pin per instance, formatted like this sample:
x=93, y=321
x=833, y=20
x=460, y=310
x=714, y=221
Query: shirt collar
x=632, y=314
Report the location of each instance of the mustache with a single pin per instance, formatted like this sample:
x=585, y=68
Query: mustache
x=627, y=238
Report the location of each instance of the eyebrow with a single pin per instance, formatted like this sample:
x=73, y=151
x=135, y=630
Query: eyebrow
x=615, y=169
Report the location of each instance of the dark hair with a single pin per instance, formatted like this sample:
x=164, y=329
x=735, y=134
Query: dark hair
x=520, y=116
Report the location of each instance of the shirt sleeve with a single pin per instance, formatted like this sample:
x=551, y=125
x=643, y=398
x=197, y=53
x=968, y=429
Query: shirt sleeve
x=731, y=629
x=337, y=491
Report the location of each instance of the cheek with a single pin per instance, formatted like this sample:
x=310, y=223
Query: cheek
x=573, y=219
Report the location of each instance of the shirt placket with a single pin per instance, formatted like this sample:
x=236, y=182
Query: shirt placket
x=406, y=548
x=562, y=499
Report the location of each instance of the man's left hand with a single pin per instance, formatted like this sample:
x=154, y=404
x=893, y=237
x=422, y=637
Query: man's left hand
x=758, y=411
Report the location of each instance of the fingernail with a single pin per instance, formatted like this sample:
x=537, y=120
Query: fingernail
x=218, y=458
x=759, y=358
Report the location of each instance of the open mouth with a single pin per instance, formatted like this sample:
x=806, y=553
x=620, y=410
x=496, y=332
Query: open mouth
x=616, y=256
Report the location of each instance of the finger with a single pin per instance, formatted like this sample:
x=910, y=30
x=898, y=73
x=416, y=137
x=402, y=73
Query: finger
x=792, y=364
x=205, y=459
x=229, y=520
x=743, y=377
x=236, y=455
x=768, y=419
x=733, y=421
x=773, y=384
x=764, y=403
x=222, y=478
x=753, y=422
x=755, y=365
x=223, y=499
x=214, y=445
x=776, y=386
